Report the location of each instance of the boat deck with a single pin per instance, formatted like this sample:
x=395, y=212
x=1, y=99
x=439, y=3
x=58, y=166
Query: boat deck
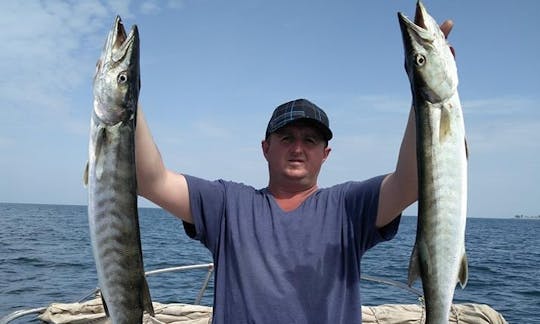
x=92, y=312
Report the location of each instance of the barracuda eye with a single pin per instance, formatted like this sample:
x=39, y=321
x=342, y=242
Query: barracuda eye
x=420, y=59
x=122, y=77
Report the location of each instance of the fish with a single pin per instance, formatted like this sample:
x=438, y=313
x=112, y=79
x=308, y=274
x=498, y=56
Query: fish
x=110, y=177
x=438, y=257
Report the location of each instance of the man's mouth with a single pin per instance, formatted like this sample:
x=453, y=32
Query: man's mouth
x=296, y=161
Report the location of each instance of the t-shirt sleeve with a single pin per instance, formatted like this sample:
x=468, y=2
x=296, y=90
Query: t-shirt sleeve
x=361, y=203
x=207, y=203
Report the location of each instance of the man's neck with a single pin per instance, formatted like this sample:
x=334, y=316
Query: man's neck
x=289, y=199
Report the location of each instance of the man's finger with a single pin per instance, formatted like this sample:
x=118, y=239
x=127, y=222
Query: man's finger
x=446, y=27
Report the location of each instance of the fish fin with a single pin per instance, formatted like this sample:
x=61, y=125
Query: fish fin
x=414, y=266
x=100, y=139
x=463, y=271
x=466, y=149
x=444, y=124
x=85, y=175
x=146, y=300
x=104, y=306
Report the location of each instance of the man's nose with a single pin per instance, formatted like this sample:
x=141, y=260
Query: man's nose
x=297, y=145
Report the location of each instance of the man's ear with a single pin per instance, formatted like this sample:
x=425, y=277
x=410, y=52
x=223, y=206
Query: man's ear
x=265, y=145
x=327, y=151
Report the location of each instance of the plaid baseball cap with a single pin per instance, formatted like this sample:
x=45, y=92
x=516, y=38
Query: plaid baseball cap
x=299, y=109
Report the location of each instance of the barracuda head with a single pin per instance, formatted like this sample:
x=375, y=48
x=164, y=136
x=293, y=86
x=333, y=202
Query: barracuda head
x=429, y=62
x=117, y=80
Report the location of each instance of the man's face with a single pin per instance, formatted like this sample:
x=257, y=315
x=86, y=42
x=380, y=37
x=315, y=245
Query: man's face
x=295, y=152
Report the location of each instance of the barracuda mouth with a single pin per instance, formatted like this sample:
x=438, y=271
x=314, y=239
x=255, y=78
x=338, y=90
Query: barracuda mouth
x=423, y=32
x=119, y=31
x=420, y=24
x=119, y=43
x=419, y=15
x=116, y=80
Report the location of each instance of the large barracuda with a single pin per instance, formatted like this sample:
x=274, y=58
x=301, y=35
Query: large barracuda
x=111, y=179
x=439, y=254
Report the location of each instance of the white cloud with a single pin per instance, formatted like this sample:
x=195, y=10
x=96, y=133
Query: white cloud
x=502, y=124
x=49, y=54
x=211, y=130
x=48, y=57
x=42, y=58
x=504, y=137
x=501, y=106
x=6, y=143
x=150, y=7
x=176, y=4
x=120, y=7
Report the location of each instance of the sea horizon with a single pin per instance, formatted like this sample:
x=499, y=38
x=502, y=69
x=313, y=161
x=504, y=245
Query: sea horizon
x=157, y=207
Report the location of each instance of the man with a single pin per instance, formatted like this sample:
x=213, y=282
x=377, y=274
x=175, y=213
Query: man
x=290, y=252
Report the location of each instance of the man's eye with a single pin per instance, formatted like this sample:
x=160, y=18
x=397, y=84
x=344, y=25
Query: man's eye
x=312, y=140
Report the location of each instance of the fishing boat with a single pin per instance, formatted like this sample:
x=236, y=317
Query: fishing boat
x=89, y=309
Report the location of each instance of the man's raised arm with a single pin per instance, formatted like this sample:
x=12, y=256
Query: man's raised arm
x=155, y=182
x=400, y=188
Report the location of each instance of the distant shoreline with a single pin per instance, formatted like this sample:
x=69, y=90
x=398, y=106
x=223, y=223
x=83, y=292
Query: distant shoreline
x=526, y=217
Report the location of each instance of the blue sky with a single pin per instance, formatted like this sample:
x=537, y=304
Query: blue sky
x=212, y=72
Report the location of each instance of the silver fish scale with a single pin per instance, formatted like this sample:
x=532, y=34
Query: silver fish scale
x=114, y=223
x=439, y=254
x=441, y=209
x=111, y=178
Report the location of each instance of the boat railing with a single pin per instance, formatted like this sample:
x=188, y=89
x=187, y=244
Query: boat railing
x=209, y=266
x=210, y=269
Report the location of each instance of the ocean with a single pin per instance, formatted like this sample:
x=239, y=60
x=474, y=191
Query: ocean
x=45, y=257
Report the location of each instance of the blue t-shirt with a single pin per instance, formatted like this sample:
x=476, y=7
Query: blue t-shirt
x=273, y=266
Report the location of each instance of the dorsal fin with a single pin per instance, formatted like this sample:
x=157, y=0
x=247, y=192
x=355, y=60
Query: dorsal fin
x=444, y=125
x=85, y=175
x=463, y=276
x=414, y=267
